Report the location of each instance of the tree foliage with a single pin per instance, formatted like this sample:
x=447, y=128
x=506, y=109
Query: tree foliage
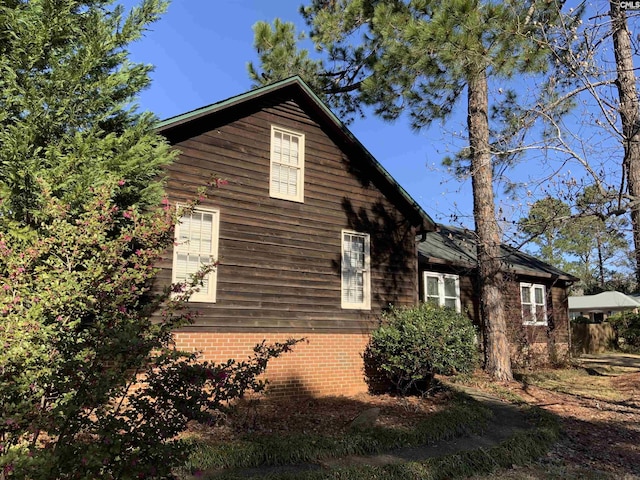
x=580, y=238
x=91, y=385
x=593, y=80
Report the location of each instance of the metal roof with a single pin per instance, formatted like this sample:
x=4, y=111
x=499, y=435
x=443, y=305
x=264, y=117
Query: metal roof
x=602, y=301
x=457, y=247
x=166, y=125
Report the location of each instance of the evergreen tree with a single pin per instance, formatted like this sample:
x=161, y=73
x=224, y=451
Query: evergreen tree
x=419, y=58
x=67, y=112
x=580, y=239
x=545, y=227
x=91, y=385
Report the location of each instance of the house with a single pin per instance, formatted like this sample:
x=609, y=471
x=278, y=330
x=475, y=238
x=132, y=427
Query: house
x=535, y=292
x=598, y=307
x=313, y=237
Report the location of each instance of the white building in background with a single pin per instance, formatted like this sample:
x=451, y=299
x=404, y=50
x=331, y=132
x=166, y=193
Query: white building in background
x=599, y=307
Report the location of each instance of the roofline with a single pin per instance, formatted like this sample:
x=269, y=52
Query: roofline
x=186, y=117
x=516, y=270
x=509, y=250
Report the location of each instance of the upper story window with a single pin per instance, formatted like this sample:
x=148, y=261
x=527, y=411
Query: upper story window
x=534, y=305
x=442, y=289
x=287, y=165
x=196, y=245
x=356, y=275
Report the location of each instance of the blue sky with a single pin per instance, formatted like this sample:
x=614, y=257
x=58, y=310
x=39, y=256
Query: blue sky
x=200, y=49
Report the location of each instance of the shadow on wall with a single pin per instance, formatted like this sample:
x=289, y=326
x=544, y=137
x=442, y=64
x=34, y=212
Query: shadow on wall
x=288, y=387
x=392, y=249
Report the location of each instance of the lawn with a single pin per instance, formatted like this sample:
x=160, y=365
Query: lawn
x=598, y=410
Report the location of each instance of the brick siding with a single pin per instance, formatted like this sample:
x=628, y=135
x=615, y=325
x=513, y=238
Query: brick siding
x=323, y=364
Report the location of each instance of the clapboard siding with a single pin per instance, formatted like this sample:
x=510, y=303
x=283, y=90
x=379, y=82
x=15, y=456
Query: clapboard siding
x=280, y=260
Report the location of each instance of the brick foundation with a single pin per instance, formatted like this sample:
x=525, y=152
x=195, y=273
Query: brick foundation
x=322, y=365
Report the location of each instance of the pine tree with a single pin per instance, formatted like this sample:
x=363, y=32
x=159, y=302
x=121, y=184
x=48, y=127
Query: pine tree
x=629, y=109
x=91, y=385
x=580, y=239
x=419, y=58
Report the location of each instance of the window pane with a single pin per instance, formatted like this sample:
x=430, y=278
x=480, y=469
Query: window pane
x=181, y=267
x=450, y=302
x=354, y=273
x=432, y=287
x=449, y=287
x=353, y=287
x=527, y=313
x=354, y=251
x=277, y=143
x=539, y=295
x=526, y=294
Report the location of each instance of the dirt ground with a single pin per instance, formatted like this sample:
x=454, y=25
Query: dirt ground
x=601, y=435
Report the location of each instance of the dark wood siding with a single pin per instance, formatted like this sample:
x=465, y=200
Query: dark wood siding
x=521, y=336
x=280, y=260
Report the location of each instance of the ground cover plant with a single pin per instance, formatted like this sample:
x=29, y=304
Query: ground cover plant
x=281, y=432
x=599, y=434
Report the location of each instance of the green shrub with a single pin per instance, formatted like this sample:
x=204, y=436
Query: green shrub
x=627, y=327
x=581, y=320
x=413, y=344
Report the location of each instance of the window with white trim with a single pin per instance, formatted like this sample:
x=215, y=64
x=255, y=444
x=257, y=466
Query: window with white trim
x=196, y=237
x=534, y=305
x=286, y=178
x=356, y=266
x=442, y=289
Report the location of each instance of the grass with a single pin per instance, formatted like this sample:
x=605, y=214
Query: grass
x=519, y=449
x=592, y=383
x=520, y=457
x=463, y=417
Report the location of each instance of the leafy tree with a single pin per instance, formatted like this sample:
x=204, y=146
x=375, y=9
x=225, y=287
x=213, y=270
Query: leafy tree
x=581, y=239
x=545, y=226
x=419, y=58
x=91, y=385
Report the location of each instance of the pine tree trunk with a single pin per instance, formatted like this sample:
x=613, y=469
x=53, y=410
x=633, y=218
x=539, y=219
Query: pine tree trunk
x=629, y=117
x=497, y=354
x=600, y=261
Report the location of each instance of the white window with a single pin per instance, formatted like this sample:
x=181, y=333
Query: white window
x=287, y=165
x=197, y=245
x=534, y=306
x=442, y=289
x=356, y=279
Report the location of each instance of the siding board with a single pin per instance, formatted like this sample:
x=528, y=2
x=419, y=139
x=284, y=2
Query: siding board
x=280, y=260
